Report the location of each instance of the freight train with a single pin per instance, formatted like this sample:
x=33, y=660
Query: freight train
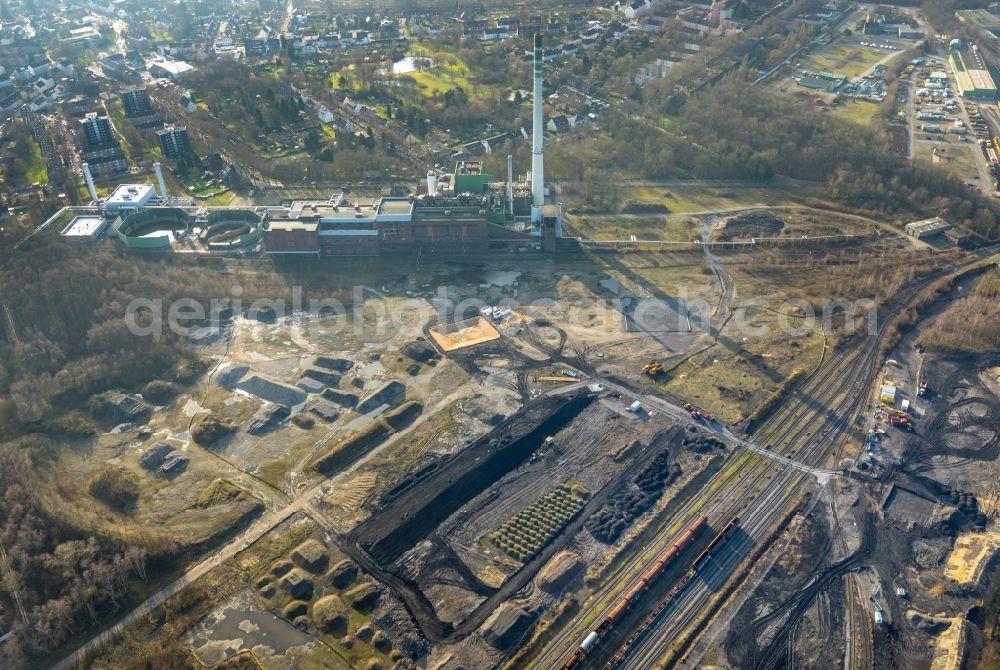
x=650, y=576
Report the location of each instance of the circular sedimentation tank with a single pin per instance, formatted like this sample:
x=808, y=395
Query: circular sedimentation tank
x=140, y=230
x=232, y=229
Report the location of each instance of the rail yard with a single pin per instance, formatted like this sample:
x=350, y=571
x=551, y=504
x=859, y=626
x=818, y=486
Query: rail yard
x=557, y=508
x=624, y=336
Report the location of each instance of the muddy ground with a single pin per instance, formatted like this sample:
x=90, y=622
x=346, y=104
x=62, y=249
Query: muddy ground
x=768, y=630
x=925, y=489
x=432, y=537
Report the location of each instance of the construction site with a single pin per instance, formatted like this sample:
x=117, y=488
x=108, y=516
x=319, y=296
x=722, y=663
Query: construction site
x=618, y=453
x=570, y=461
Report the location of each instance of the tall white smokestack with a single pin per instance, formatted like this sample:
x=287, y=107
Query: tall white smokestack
x=159, y=178
x=510, y=185
x=432, y=182
x=90, y=183
x=537, y=138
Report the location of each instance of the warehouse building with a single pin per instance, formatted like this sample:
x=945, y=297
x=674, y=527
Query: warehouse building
x=927, y=227
x=972, y=77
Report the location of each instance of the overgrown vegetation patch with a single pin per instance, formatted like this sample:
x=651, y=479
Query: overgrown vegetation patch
x=525, y=533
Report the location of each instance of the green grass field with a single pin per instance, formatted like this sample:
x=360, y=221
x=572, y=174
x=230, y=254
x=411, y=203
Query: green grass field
x=694, y=199
x=856, y=111
x=849, y=60
x=345, y=81
x=962, y=162
x=449, y=72
x=35, y=168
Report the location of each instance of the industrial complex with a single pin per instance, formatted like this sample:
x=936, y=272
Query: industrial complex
x=972, y=77
x=337, y=386
x=459, y=212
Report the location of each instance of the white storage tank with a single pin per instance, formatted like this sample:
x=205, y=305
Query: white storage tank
x=589, y=642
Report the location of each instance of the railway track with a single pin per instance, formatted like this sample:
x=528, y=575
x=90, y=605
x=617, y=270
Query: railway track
x=859, y=651
x=759, y=469
x=860, y=362
x=774, y=496
x=796, y=605
x=842, y=382
x=683, y=611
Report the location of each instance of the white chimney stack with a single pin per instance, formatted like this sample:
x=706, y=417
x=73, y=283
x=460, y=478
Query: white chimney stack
x=432, y=182
x=537, y=139
x=159, y=178
x=510, y=186
x=90, y=183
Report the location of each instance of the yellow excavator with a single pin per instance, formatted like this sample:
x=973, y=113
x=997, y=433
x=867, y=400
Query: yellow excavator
x=653, y=368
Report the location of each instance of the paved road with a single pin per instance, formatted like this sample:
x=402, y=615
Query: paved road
x=778, y=182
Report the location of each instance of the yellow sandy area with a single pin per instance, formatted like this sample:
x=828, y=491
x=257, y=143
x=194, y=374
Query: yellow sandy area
x=970, y=555
x=463, y=334
x=949, y=647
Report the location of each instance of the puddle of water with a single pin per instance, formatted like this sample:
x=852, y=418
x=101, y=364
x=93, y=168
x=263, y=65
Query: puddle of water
x=501, y=277
x=239, y=626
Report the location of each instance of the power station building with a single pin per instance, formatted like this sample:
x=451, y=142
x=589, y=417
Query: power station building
x=371, y=227
x=461, y=212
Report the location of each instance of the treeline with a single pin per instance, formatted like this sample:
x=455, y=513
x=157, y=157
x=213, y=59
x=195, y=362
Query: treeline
x=738, y=131
x=478, y=94
x=67, y=339
x=58, y=580
x=941, y=13
x=776, y=134
x=970, y=323
x=71, y=337
x=237, y=96
x=254, y=106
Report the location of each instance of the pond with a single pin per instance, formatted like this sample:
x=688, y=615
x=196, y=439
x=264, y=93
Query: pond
x=412, y=64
